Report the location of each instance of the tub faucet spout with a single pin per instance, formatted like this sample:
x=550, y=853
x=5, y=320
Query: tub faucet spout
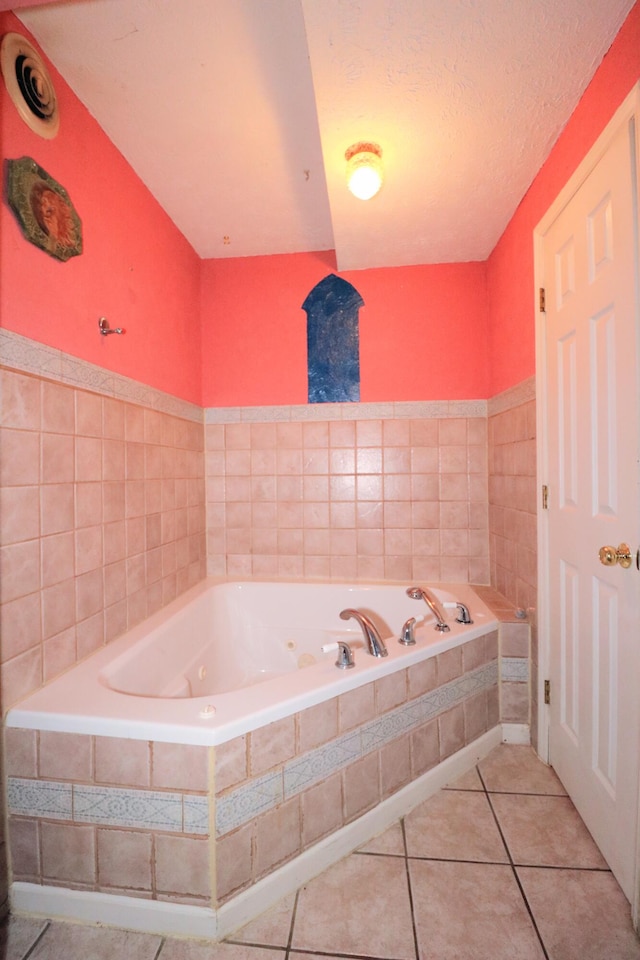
x=419, y=593
x=373, y=640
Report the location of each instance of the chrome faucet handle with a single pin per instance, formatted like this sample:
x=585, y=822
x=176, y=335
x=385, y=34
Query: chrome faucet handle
x=407, y=637
x=345, y=655
x=463, y=613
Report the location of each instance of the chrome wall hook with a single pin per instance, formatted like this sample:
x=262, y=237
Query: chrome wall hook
x=105, y=329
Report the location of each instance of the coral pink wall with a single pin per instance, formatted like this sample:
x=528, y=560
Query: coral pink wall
x=136, y=269
x=510, y=266
x=423, y=330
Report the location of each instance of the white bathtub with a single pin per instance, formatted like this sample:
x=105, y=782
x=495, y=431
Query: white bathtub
x=226, y=658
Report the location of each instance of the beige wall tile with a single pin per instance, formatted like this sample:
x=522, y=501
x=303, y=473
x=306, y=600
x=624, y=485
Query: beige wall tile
x=395, y=765
x=514, y=702
x=125, y=762
x=21, y=752
x=449, y=665
x=278, y=836
x=20, y=675
x=476, y=716
x=68, y=852
x=317, y=725
x=233, y=862
x=20, y=626
x=356, y=707
x=425, y=748
x=65, y=756
x=58, y=654
x=19, y=514
x=422, y=677
x=19, y=569
x=451, y=731
x=321, y=810
x=514, y=639
x=271, y=745
x=24, y=846
x=390, y=691
x=180, y=766
x=124, y=859
x=361, y=786
x=20, y=400
x=20, y=461
x=182, y=866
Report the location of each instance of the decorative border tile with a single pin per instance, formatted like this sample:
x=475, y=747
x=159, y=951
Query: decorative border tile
x=321, y=763
x=515, y=396
x=29, y=356
x=146, y=809
x=243, y=804
x=427, y=409
x=195, y=814
x=39, y=798
x=112, y=806
x=514, y=669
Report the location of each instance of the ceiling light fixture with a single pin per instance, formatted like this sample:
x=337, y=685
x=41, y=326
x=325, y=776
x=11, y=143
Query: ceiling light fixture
x=364, y=169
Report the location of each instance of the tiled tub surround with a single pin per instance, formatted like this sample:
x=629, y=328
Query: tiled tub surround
x=517, y=667
x=126, y=817
x=102, y=517
x=228, y=657
x=349, y=492
x=513, y=494
x=131, y=817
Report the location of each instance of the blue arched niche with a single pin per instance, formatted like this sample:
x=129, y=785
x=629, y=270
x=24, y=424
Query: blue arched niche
x=333, y=356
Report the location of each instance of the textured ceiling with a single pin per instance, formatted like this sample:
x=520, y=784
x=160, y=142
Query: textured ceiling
x=237, y=113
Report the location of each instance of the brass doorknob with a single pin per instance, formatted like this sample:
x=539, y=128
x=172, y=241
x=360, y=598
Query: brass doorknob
x=609, y=556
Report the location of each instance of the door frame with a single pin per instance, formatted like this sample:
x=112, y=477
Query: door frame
x=628, y=111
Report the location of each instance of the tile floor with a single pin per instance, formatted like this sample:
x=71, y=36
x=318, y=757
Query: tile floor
x=498, y=866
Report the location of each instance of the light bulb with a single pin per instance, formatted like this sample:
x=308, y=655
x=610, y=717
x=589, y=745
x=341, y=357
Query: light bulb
x=364, y=170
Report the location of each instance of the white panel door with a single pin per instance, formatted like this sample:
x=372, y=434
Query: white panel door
x=590, y=257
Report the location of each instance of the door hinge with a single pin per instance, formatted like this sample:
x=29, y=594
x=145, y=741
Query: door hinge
x=545, y=497
x=542, y=301
x=547, y=692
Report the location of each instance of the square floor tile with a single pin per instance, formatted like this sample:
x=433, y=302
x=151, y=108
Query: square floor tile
x=545, y=831
x=73, y=942
x=471, y=911
x=204, y=950
x=455, y=825
x=271, y=928
x=516, y=769
x=17, y=935
x=581, y=915
x=390, y=842
x=468, y=781
x=358, y=906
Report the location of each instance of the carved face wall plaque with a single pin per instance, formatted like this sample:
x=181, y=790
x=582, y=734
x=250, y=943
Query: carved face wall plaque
x=43, y=209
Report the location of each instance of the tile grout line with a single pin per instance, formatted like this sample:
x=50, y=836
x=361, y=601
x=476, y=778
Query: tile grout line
x=277, y=948
x=347, y=956
x=409, y=888
x=513, y=868
x=35, y=943
x=287, y=949
x=160, y=948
